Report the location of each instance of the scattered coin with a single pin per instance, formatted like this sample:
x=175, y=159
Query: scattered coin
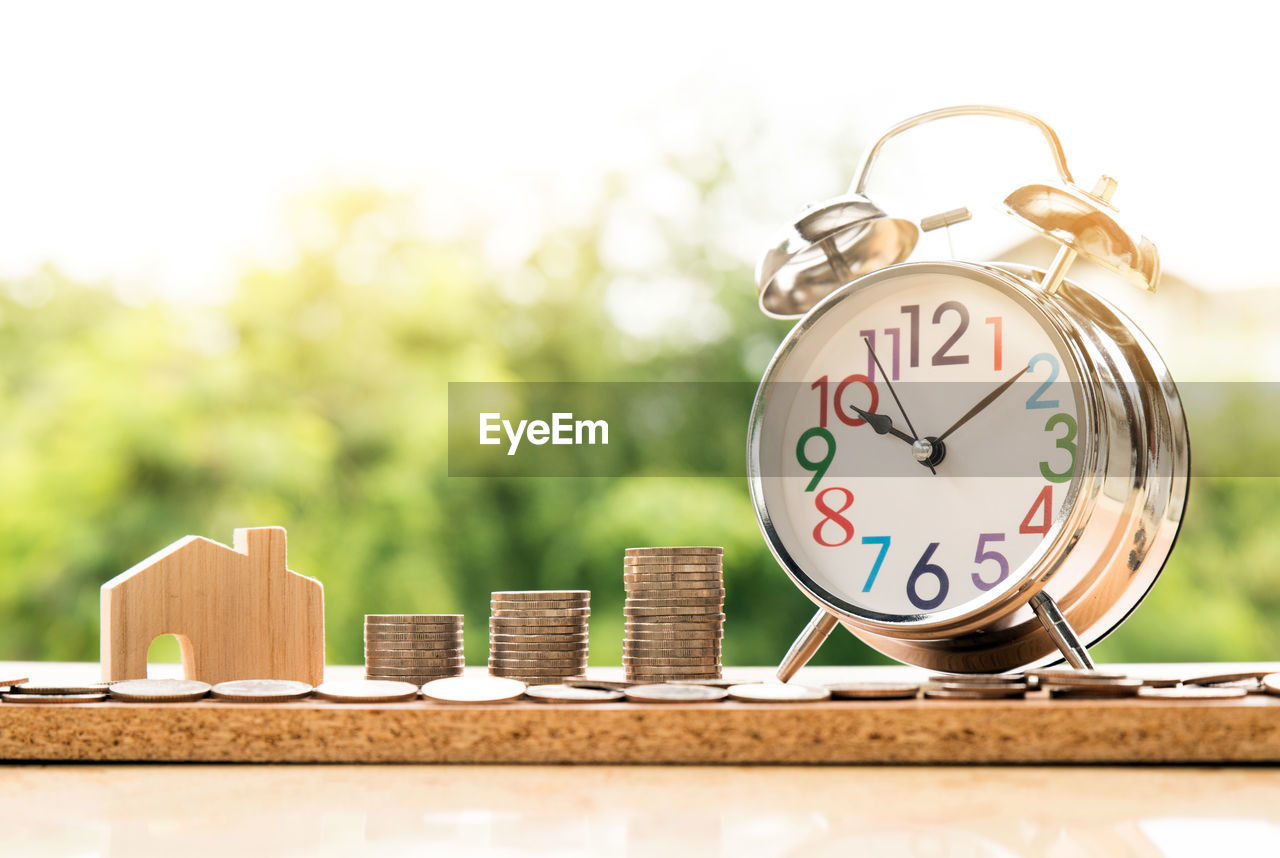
x=607, y=684
x=976, y=692
x=571, y=694
x=714, y=682
x=53, y=698
x=1228, y=678
x=1162, y=683
x=777, y=692
x=668, y=693
x=17, y=680
x=159, y=690
x=1097, y=691
x=60, y=688
x=873, y=690
x=366, y=691
x=261, y=690
x=1271, y=683
x=979, y=679
x=473, y=689
x=1064, y=675
x=1192, y=692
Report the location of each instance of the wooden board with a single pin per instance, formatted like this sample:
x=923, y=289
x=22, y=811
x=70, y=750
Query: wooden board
x=1036, y=730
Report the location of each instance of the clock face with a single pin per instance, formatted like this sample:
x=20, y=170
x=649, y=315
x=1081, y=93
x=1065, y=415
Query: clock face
x=842, y=495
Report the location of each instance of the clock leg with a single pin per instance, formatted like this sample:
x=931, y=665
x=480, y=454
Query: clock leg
x=1061, y=632
x=819, y=628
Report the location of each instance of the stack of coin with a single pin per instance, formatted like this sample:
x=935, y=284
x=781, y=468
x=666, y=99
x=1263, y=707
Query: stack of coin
x=538, y=636
x=674, y=609
x=976, y=686
x=414, y=648
x=1067, y=684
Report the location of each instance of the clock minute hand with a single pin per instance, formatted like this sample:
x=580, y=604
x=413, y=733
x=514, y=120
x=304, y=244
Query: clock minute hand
x=883, y=424
x=985, y=401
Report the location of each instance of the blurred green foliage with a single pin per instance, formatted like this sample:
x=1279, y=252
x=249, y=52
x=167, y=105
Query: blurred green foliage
x=315, y=397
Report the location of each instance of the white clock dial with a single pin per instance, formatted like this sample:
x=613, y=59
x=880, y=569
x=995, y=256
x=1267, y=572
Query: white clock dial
x=857, y=518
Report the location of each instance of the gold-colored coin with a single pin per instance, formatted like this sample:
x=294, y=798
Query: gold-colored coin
x=679, y=570
x=541, y=595
x=261, y=690
x=675, y=614
x=53, y=698
x=367, y=691
x=670, y=693
x=546, y=613
x=874, y=690
x=667, y=591
x=635, y=670
x=539, y=639
x=412, y=669
x=412, y=636
x=652, y=651
x=414, y=619
x=16, y=680
x=571, y=694
x=574, y=666
x=521, y=607
x=647, y=551
x=159, y=690
x=644, y=629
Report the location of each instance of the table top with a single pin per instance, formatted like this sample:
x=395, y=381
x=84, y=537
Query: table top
x=322, y=810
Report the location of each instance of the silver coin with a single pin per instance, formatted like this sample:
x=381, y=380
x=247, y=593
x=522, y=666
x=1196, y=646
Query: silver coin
x=1162, y=683
x=59, y=688
x=416, y=681
x=413, y=636
x=1097, y=692
x=562, y=614
x=778, y=692
x=641, y=651
x=1065, y=675
x=366, y=691
x=873, y=690
x=1192, y=692
x=159, y=690
x=608, y=684
x=675, y=615
x=532, y=679
x=473, y=689
x=571, y=694
x=539, y=639
x=53, y=698
x=423, y=652
x=976, y=692
x=708, y=574
x=261, y=690
x=573, y=668
x=1119, y=686
x=427, y=619
x=666, y=693
x=1271, y=683
x=541, y=595
x=539, y=625
x=1227, y=678
x=980, y=678
x=671, y=670
x=406, y=664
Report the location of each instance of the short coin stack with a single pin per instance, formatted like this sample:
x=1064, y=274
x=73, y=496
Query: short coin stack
x=675, y=613
x=414, y=648
x=539, y=636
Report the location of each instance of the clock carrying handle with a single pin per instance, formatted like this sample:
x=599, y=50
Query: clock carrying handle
x=1055, y=146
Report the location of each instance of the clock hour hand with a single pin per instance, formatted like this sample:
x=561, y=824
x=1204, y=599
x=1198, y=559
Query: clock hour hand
x=883, y=424
x=986, y=400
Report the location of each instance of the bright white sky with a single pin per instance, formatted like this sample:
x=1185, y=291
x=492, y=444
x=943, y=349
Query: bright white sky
x=158, y=143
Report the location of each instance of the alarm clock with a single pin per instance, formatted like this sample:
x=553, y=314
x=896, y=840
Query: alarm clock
x=972, y=466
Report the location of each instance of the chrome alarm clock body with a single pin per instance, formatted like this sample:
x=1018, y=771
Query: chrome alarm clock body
x=1011, y=534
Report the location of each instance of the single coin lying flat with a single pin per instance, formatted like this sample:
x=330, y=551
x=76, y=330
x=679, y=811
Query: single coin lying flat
x=874, y=690
x=53, y=698
x=607, y=684
x=1192, y=692
x=672, y=693
x=60, y=688
x=777, y=692
x=571, y=694
x=261, y=690
x=473, y=689
x=367, y=691
x=159, y=690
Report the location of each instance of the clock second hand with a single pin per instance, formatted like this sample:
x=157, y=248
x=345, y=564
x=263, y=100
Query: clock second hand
x=914, y=435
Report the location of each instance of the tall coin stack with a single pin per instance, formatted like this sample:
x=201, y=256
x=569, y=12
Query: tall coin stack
x=413, y=648
x=539, y=636
x=675, y=613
